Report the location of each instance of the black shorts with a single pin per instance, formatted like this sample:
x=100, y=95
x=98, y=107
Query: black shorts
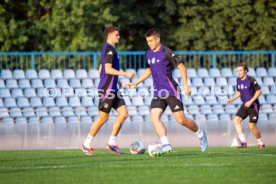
x=113, y=100
x=252, y=112
x=162, y=103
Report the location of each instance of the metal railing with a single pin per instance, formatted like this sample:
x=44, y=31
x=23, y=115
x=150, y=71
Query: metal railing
x=88, y=60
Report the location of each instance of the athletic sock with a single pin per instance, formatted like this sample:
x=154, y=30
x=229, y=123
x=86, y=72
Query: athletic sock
x=164, y=140
x=112, y=140
x=88, y=140
x=199, y=133
x=260, y=141
x=242, y=137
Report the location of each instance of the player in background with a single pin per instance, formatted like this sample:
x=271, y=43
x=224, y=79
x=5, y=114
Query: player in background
x=108, y=93
x=160, y=63
x=249, y=91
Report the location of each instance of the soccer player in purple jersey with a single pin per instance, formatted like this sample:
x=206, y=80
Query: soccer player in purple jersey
x=160, y=63
x=109, y=94
x=249, y=91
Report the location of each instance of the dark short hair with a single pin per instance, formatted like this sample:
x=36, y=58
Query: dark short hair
x=243, y=65
x=110, y=30
x=152, y=31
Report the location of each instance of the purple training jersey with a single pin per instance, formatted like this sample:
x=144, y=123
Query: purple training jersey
x=108, y=82
x=247, y=88
x=161, y=64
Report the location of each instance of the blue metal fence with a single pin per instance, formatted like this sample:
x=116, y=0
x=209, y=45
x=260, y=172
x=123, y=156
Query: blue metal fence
x=87, y=60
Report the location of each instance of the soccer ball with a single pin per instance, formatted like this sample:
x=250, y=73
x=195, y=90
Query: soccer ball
x=236, y=143
x=152, y=147
x=137, y=147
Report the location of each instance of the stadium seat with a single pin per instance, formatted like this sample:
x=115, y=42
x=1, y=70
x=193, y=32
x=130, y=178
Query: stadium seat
x=262, y=117
x=29, y=92
x=262, y=99
x=193, y=109
x=31, y=74
x=226, y=72
x=261, y=72
x=37, y=83
x=21, y=120
x=11, y=83
x=36, y=102
x=273, y=90
x=132, y=110
x=130, y=70
x=140, y=72
x=7, y=120
x=144, y=110
x=93, y=73
x=124, y=81
x=75, y=83
x=187, y=100
x=212, y=117
x=67, y=111
x=214, y=72
x=48, y=102
x=24, y=83
x=56, y=74
x=143, y=91
x=81, y=74
x=234, y=72
x=221, y=81
x=69, y=74
x=87, y=83
x=218, y=109
x=28, y=112
x=268, y=81
x=6, y=74
x=44, y=74
x=251, y=72
x=96, y=82
x=23, y=102
x=209, y=81
x=46, y=120
x=73, y=119
x=80, y=111
x=87, y=101
x=18, y=74
x=17, y=92
x=148, y=82
x=199, y=100
x=49, y=83
x=272, y=72
x=61, y=102
x=222, y=99
x=191, y=73
x=259, y=80
x=5, y=93
x=225, y=117
x=2, y=84
x=67, y=92
x=80, y=92
x=148, y=100
x=86, y=119
x=265, y=90
x=230, y=109
x=271, y=99
x=211, y=100
x=4, y=112
x=200, y=118
x=176, y=73
x=202, y=72
x=62, y=83
x=54, y=111
x=42, y=112
x=74, y=102
x=137, y=101
x=60, y=120
x=92, y=111
x=266, y=108
x=33, y=120
x=127, y=101
x=15, y=112
x=9, y=102
x=206, y=109
x=272, y=116
x=1, y=103
x=232, y=81
x=197, y=82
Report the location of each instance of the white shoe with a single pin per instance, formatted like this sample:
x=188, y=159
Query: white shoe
x=203, y=142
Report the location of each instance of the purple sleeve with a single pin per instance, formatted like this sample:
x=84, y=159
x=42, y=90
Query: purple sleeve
x=109, y=55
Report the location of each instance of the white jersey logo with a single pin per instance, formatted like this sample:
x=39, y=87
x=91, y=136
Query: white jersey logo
x=110, y=53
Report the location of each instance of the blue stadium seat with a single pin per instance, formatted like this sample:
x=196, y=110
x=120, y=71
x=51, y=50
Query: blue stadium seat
x=21, y=120
x=140, y=71
x=229, y=90
x=7, y=120
x=67, y=111
x=204, y=91
x=193, y=109
x=148, y=82
x=176, y=73
x=266, y=108
x=42, y=112
x=124, y=81
x=202, y=72
x=48, y=102
x=5, y=93
x=24, y=83
x=206, y=109
x=96, y=82
x=61, y=102
x=222, y=99
x=60, y=120
x=2, y=84
x=199, y=100
x=73, y=119
x=197, y=82
x=234, y=71
x=23, y=102
x=268, y=81
x=212, y=117
x=69, y=74
x=80, y=92
x=226, y=72
x=28, y=112
x=44, y=74
x=9, y=102
x=86, y=119
x=221, y=81
x=130, y=70
x=93, y=111
x=237, y=102
x=218, y=109
x=265, y=90
x=93, y=73
x=11, y=83
x=33, y=120
x=18, y=74
x=214, y=72
x=56, y=74
x=80, y=111
x=232, y=81
x=272, y=72
x=15, y=112
x=87, y=83
x=209, y=81
x=148, y=100
x=1, y=103
x=31, y=74
x=271, y=99
x=62, y=83
x=75, y=83
x=54, y=111
x=211, y=100
x=230, y=109
x=225, y=117
x=251, y=72
x=37, y=83
x=143, y=91
x=273, y=89
x=49, y=83
x=81, y=74
x=68, y=92
x=191, y=73
x=137, y=101
x=87, y=101
x=262, y=99
x=259, y=80
x=144, y=110
x=17, y=92
x=4, y=112
x=36, y=102
x=47, y=120
x=74, y=102
x=200, y=117
x=6, y=74
x=261, y=72
x=29, y=92
x=187, y=100
x=132, y=110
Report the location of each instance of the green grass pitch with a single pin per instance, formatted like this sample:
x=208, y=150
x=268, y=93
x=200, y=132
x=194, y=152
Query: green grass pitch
x=184, y=165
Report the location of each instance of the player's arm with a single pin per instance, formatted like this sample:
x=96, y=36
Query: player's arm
x=100, y=69
x=146, y=74
x=111, y=71
x=183, y=73
x=235, y=97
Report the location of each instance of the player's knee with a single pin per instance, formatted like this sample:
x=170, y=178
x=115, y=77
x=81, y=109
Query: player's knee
x=123, y=115
x=252, y=126
x=153, y=119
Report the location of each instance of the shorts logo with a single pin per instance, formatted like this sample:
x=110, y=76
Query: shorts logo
x=254, y=117
x=106, y=105
x=176, y=107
